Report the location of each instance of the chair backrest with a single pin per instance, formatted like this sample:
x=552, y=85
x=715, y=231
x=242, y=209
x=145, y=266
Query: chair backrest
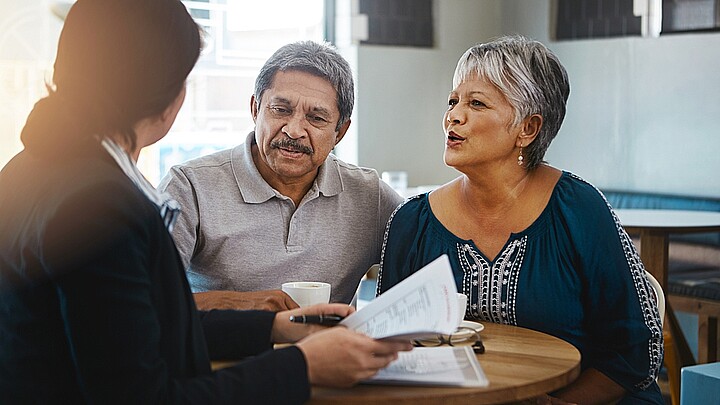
x=372, y=273
x=659, y=295
x=366, y=289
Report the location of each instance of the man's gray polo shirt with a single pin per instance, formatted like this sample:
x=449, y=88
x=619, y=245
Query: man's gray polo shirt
x=238, y=233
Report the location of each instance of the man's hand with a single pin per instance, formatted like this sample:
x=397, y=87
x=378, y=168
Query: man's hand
x=268, y=300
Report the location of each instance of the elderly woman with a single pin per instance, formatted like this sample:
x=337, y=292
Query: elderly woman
x=94, y=303
x=531, y=245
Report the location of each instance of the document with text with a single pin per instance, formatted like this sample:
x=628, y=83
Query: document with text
x=422, y=305
x=441, y=366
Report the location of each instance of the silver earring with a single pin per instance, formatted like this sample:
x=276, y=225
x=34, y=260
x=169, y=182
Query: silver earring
x=520, y=157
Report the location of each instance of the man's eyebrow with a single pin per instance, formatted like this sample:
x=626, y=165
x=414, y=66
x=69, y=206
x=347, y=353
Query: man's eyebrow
x=279, y=100
x=322, y=110
x=317, y=109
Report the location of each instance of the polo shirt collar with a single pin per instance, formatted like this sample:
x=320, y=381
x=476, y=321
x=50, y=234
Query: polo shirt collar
x=254, y=189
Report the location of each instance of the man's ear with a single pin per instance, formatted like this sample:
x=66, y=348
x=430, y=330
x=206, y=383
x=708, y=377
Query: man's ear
x=341, y=132
x=253, y=108
x=531, y=129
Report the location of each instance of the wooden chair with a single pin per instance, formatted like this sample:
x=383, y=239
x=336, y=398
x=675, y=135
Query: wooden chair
x=694, y=287
x=672, y=358
x=708, y=312
x=677, y=351
x=659, y=295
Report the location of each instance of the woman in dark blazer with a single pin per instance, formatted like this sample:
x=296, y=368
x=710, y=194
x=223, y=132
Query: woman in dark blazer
x=94, y=303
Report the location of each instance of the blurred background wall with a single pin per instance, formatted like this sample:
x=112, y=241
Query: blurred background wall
x=642, y=114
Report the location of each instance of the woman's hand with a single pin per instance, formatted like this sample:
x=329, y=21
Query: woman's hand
x=284, y=331
x=338, y=357
x=335, y=356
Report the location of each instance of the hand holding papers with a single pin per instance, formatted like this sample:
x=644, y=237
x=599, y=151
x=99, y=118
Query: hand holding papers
x=422, y=305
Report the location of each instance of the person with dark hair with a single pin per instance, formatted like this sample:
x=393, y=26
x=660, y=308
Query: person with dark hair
x=280, y=207
x=95, y=306
x=529, y=244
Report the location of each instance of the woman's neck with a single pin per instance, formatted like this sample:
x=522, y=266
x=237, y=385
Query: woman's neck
x=494, y=191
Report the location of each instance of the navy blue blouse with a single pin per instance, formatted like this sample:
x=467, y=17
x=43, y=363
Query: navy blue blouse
x=574, y=274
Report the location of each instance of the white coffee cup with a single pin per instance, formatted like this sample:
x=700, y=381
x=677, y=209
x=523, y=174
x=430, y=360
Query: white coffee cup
x=307, y=293
x=462, y=306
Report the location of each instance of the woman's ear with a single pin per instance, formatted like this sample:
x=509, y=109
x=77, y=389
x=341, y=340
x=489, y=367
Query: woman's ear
x=530, y=130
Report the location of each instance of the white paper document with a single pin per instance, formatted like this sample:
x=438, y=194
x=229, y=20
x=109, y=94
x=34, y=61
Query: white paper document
x=441, y=366
x=422, y=305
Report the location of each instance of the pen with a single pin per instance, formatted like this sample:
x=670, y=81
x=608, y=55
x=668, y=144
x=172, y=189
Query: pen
x=328, y=320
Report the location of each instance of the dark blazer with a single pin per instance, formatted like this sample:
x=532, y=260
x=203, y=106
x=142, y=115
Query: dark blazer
x=95, y=306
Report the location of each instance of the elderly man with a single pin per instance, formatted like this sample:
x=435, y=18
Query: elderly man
x=280, y=207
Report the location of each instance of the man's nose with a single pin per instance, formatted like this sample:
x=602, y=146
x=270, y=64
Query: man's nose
x=295, y=127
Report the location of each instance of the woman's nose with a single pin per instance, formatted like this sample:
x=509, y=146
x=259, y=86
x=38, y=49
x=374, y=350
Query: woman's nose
x=454, y=116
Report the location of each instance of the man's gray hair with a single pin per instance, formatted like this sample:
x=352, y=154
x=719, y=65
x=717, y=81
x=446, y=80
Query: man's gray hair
x=319, y=59
x=530, y=76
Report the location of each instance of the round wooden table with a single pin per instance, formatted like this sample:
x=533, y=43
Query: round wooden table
x=519, y=363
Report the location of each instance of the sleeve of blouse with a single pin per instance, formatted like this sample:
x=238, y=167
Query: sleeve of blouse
x=622, y=315
x=97, y=247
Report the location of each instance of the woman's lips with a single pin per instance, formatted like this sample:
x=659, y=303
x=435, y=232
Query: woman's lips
x=453, y=139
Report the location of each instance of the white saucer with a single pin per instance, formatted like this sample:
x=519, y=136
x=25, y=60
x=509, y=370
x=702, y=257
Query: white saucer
x=466, y=330
x=476, y=326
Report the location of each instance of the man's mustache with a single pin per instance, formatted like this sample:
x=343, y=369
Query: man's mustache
x=291, y=145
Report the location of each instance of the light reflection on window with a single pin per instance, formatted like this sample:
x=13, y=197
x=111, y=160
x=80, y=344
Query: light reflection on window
x=240, y=36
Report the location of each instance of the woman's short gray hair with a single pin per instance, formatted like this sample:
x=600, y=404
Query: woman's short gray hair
x=530, y=76
x=319, y=59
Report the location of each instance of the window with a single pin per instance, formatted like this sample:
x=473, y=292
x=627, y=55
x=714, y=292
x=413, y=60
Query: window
x=398, y=22
x=241, y=35
x=28, y=36
x=580, y=19
x=690, y=15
